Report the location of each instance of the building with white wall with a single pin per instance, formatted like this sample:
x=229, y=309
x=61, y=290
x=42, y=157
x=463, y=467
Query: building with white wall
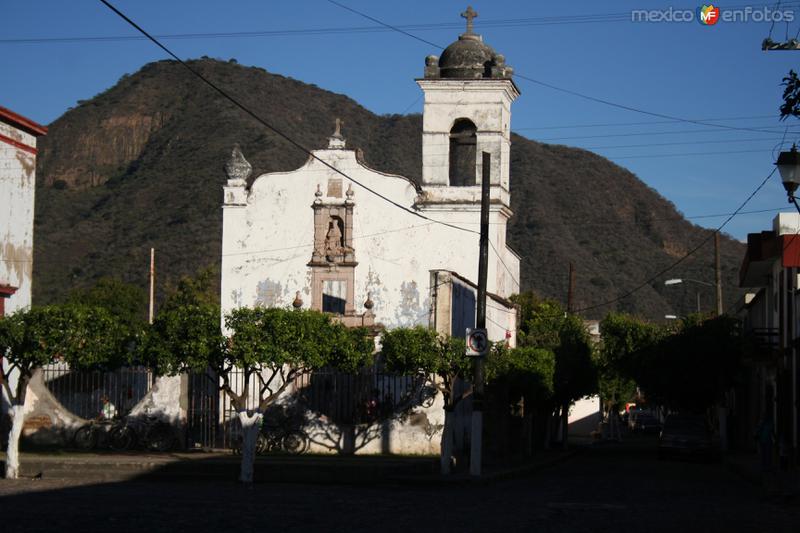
x=378, y=249
x=340, y=237
x=17, y=186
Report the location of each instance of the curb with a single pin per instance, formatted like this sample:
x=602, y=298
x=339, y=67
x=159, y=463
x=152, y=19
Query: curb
x=310, y=470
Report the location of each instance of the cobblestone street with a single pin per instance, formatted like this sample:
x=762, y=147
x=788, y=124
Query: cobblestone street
x=612, y=488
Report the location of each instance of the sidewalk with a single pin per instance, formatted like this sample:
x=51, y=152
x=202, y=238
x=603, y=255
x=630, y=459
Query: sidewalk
x=223, y=466
x=775, y=483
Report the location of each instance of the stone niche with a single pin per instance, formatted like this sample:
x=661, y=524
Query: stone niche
x=333, y=260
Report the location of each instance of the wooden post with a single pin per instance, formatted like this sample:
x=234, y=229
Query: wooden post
x=476, y=448
x=718, y=273
x=152, y=282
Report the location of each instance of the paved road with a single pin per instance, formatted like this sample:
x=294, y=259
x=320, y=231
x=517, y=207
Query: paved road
x=608, y=489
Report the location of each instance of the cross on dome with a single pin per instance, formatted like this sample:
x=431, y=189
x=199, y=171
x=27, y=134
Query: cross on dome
x=469, y=14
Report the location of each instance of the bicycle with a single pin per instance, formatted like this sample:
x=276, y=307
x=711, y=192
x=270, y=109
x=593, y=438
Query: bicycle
x=277, y=434
x=150, y=432
x=88, y=436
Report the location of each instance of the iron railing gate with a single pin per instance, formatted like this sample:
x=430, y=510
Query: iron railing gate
x=203, y=413
x=80, y=392
x=337, y=397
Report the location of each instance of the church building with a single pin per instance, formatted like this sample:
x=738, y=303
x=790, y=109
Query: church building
x=378, y=249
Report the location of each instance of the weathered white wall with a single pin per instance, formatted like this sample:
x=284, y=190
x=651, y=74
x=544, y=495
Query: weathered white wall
x=17, y=185
x=166, y=400
x=268, y=241
x=584, y=415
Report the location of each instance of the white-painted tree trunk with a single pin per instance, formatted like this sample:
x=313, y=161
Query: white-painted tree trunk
x=250, y=428
x=12, y=452
x=722, y=414
x=446, y=457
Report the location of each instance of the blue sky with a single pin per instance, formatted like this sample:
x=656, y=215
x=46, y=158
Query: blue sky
x=685, y=70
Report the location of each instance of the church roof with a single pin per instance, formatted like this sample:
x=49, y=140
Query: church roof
x=468, y=57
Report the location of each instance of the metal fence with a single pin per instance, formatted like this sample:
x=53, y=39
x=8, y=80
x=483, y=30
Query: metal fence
x=336, y=397
x=80, y=392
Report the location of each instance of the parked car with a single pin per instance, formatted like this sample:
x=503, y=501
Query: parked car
x=644, y=422
x=686, y=435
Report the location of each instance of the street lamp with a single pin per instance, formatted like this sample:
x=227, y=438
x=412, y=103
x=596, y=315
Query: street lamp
x=789, y=166
x=677, y=281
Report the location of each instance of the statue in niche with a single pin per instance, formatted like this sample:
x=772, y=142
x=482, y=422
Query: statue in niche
x=335, y=248
x=334, y=242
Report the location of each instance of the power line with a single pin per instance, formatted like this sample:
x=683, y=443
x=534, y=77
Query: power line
x=309, y=152
x=278, y=132
x=684, y=257
x=555, y=87
x=660, y=132
x=598, y=18
x=619, y=17
x=641, y=123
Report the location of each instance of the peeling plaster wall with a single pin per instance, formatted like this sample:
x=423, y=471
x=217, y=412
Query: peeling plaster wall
x=47, y=422
x=17, y=185
x=268, y=238
x=418, y=433
x=166, y=400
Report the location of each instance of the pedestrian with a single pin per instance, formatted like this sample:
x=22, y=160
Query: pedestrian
x=765, y=438
x=108, y=411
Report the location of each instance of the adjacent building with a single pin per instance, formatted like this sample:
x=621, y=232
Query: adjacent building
x=18, y=137
x=769, y=315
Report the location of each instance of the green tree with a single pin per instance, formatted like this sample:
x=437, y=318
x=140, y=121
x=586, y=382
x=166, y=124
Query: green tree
x=546, y=326
x=439, y=361
x=691, y=368
x=271, y=347
x=791, y=96
x=527, y=373
x=84, y=337
x=126, y=302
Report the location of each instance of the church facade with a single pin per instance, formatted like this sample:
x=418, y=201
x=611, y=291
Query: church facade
x=379, y=249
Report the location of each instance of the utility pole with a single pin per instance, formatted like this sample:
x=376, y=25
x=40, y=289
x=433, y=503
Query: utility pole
x=476, y=449
x=565, y=407
x=717, y=273
x=152, y=282
x=722, y=408
x=571, y=290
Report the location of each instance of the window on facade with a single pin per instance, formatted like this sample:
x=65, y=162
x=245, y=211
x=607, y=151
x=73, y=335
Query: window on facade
x=334, y=296
x=463, y=146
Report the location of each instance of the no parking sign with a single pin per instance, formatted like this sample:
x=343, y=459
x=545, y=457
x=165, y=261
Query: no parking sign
x=477, y=342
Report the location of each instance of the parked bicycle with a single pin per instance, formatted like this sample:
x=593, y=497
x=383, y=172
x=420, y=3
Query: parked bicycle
x=96, y=432
x=148, y=432
x=278, y=433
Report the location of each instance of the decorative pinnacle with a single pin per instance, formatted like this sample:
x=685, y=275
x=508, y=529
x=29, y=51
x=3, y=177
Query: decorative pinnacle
x=369, y=304
x=237, y=167
x=469, y=14
x=298, y=302
x=338, y=133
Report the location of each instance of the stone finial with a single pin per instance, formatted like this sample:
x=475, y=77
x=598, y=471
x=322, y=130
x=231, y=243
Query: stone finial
x=369, y=304
x=318, y=194
x=238, y=168
x=469, y=14
x=336, y=141
x=350, y=193
x=298, y=302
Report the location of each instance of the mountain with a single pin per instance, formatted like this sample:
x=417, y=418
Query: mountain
x=140, y=166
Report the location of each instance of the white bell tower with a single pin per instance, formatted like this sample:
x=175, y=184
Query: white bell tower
x=467, y=111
